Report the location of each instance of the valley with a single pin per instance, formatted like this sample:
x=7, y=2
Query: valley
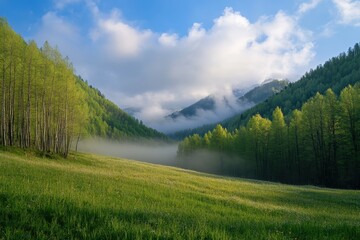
x=179, y=119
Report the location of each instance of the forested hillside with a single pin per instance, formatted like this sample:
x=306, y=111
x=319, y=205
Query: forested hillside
x=107, y=120
x=336, y=74
x=45, y=106
x=319, y=144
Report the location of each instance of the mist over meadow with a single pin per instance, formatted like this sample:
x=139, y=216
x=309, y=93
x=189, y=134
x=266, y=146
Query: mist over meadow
x=152, y=152
x=207, y=161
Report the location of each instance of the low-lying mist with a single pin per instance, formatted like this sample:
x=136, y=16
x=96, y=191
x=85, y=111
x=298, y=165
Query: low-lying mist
x=217, y=163
x=152, y=152
x=166, y=154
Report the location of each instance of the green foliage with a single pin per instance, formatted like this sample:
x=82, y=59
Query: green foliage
x=108, y=121
x=320, y=145
x=43, y=105
x=93, y=197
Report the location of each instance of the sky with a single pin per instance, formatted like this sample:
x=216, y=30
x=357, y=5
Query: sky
x=162, y=55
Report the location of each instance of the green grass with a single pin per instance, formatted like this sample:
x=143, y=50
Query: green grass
x=95, y=197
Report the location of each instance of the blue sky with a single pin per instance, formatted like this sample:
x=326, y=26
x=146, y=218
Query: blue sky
x=166, y=54
x=178, y=16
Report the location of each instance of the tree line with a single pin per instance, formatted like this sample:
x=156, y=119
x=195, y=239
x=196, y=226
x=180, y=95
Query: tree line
x=317, y=144
x=41, y=105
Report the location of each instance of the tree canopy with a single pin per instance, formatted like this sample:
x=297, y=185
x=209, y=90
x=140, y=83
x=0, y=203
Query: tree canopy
x=318, y=144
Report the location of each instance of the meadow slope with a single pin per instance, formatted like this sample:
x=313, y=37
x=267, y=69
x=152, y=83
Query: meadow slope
x=96, y=197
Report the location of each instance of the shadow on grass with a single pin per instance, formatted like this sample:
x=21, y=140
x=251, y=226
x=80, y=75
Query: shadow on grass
x=34, y=217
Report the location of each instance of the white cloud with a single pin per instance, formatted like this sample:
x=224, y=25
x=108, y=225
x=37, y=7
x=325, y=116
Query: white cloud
x=349, y=11
x=119, y=37
x=169, y=40
x=165, y=72
x=307, y=6
x=196, y=32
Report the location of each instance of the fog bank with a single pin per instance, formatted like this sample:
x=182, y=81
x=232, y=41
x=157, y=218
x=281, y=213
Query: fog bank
x=152, y=152
x=166, y=154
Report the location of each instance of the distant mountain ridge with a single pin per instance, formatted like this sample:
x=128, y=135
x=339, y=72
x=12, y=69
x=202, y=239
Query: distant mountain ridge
x=206, y=104
x=265, y=90
x=258, y=94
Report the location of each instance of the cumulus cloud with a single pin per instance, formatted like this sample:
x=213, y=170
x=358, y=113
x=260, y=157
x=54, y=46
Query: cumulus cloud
x=349, y=11
x=169, y=40
x=119, y=38
x=164, y=72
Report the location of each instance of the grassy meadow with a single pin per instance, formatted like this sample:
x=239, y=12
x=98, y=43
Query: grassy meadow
x=96, y=197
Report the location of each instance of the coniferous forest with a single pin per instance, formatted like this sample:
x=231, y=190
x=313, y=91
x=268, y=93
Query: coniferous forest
x=317, y=142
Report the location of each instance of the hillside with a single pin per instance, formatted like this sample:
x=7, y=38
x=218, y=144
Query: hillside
x=107, y=120
x=336, y=74
x=46, y=107
x=94, y=197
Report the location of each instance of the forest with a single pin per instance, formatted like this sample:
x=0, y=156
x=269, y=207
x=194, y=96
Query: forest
x=45, y=106
x=317, y=144
x=41, y=107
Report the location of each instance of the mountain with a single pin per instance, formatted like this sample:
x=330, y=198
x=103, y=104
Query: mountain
x=337, y=73
x=205, y=104
x=244, y=101
x=107, y=120
x=265, y=90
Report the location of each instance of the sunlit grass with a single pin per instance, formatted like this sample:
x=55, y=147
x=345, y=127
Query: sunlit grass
x=95, y=197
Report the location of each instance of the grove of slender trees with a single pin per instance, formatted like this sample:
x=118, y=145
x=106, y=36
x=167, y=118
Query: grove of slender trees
x=317, y=144
x=41, y=106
